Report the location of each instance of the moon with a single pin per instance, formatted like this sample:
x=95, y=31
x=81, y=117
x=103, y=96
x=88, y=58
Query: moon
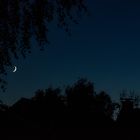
x=15, y=69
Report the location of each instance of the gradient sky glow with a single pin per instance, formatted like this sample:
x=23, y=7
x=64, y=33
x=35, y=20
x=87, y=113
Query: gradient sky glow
x=105, y=48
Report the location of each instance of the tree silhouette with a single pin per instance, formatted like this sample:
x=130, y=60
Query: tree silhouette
x=48, y=106
x=80, y=103
x=22, y=20
x=79, y=96
x=104, y=104
x=80, y=107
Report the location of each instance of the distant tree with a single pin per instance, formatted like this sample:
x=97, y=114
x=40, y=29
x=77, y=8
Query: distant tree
x=80, y=106
x=86, y=108
x=22, y=20
x=48, y=106
x=104, y=104
x=39, y=95
x=46, y=97
x=79, y=96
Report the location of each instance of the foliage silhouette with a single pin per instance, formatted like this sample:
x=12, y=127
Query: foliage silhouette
x=79, y=96
x=104, y=104
x=79, y=108
x=22, y=20
x=79, y=102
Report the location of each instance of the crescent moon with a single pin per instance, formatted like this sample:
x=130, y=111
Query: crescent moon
x=15, y=69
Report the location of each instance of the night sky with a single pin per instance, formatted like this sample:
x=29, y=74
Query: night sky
x=104, y=48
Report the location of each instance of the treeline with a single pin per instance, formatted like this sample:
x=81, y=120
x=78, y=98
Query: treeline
x=78, y=107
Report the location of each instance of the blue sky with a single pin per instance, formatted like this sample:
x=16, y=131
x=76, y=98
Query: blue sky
x=105, y=48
